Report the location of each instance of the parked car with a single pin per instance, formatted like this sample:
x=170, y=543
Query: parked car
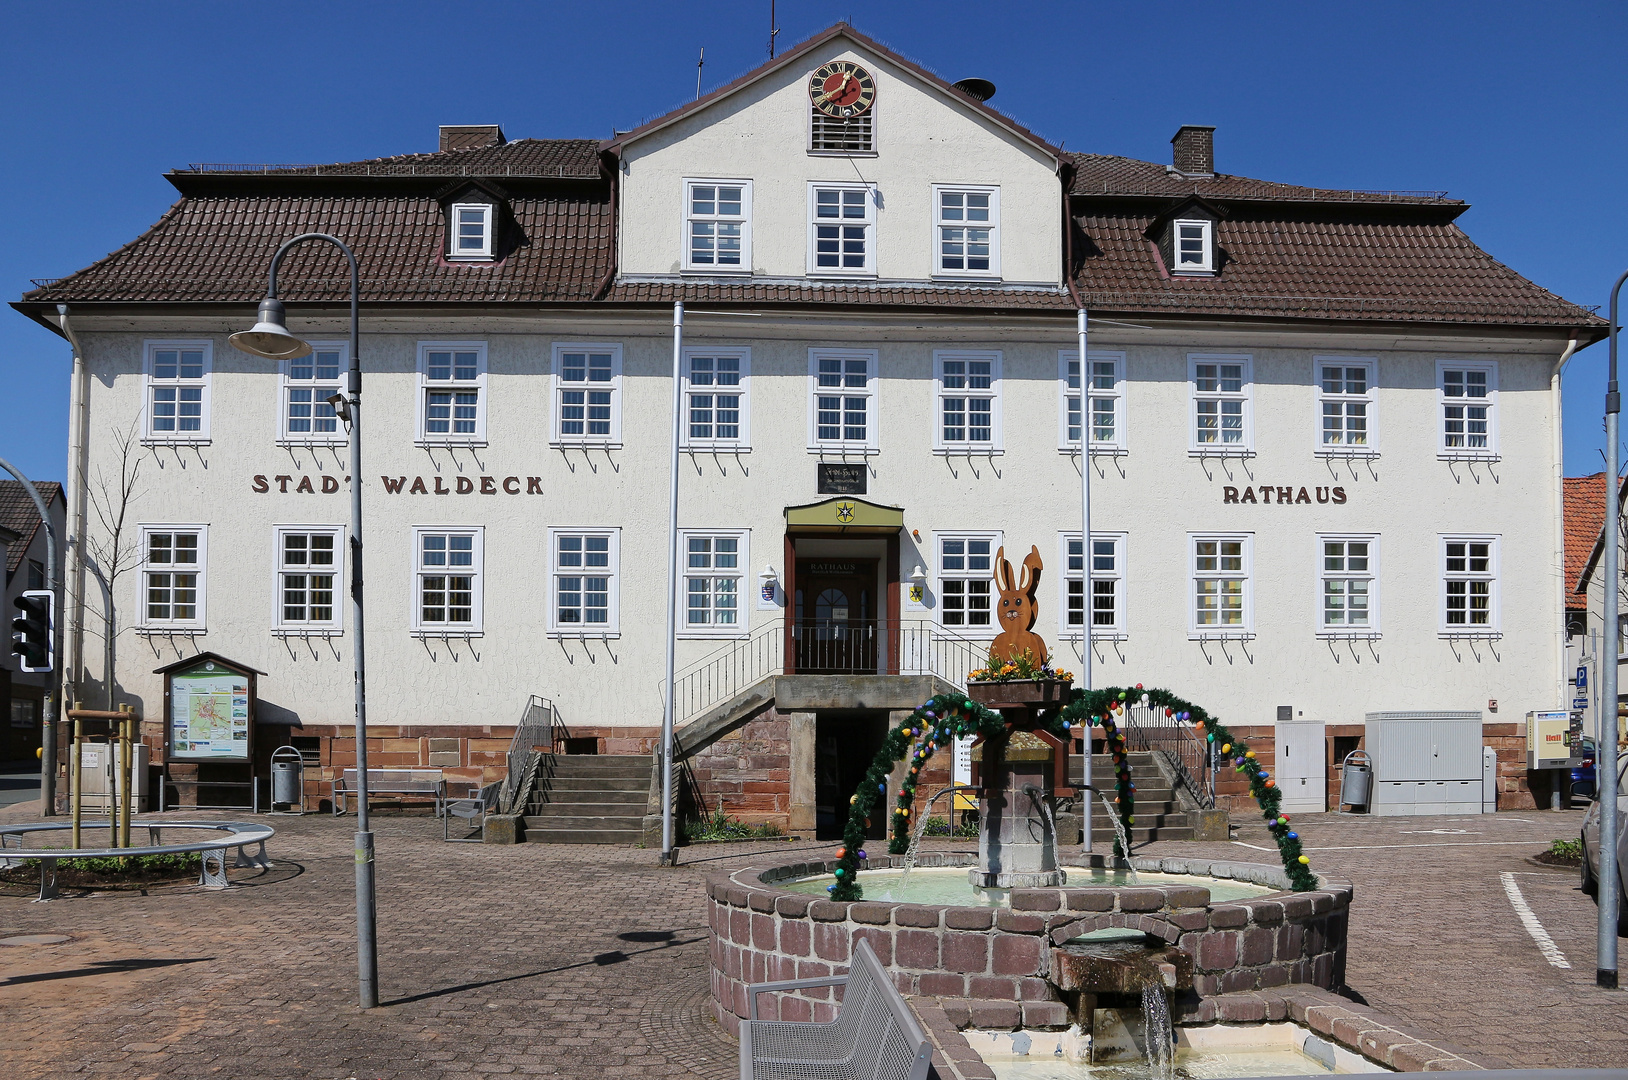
x=1593, y=864
x=1582, y=777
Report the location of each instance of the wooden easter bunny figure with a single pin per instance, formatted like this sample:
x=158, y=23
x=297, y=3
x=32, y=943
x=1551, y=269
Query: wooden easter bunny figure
x=1017, y=611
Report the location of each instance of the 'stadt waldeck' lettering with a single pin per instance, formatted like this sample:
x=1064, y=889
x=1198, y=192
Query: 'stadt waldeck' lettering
x=1284, y=495
x=393, y=485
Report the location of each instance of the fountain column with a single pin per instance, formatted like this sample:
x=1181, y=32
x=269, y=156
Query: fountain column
x=1017, y=834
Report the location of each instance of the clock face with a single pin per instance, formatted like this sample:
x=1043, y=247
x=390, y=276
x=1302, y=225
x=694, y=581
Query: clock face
x=842, y=89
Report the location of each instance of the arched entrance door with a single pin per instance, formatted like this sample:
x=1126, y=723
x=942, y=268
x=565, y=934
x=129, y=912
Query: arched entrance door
x=835, y=624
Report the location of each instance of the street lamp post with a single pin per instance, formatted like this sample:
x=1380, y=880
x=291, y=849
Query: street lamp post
x=270, y=338
x=1605, y=760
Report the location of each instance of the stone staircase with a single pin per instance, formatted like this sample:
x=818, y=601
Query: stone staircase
x=1157, y=813
x=589, y=799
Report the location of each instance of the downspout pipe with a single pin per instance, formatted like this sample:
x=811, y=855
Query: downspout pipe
x=1560, y=518
x=668, y=855
x=73, y=597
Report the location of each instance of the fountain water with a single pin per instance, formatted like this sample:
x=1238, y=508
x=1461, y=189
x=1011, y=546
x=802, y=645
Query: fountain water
x=921, y=830
x=1161, y=1048
x=1124, y=840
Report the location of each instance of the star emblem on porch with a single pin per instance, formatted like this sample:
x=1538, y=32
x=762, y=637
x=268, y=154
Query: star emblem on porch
x=845, y=512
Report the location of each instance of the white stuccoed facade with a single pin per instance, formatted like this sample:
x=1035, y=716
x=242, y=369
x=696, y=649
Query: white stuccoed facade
x=1403, y=494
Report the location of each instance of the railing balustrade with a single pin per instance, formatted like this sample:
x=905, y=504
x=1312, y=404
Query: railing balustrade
x=1150, y=729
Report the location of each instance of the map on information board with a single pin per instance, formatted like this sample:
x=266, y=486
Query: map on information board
x=209, y=714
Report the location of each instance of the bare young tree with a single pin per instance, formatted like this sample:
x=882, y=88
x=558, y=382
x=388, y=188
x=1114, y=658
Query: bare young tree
x=111, y=551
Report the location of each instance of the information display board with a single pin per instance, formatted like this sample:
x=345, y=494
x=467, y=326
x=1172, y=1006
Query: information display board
x=210, y=711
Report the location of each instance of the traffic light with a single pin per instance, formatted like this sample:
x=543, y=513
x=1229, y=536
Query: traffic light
x=31, y=636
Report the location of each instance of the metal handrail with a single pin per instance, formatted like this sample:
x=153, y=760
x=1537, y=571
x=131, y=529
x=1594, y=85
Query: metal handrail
x=539, y=730
x=834, y=647
x=1151, y=730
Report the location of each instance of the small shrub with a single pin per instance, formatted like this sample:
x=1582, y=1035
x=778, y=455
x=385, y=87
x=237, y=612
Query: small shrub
x=1567, y=849
x=968, y=829
x=720, y=826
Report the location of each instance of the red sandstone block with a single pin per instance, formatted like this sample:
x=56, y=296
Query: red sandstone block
x=1237, y=979
x=992, y=988
x=1187, y=897
x=1274, y=975
x=1016, y=955
x=916, y=949
x=1297, y=907
x=1206, y=985
x=761, y=901
x=1217, y=952
x=831, y=942
x=763, y=935
x=1045, y=1014
x=795, y=938
x=874, y=914
x=1291, y=941
x=827, y=911
x=1019, y=922
x=1240, y=1009
x=911, y=915
x=995, y=1014
x=740, y=926
x=942, y=984
x=1258, y=945
x=1089, y=899
x=968, y=918
x=1033, y=989
x=760, y=967
x=797, y=1009
x=1227, y=918
x=967, y=953
x=792, y=907
x=1266, y=912
x=881, y=942
x=1035, y=900
x=1190, y=920
x=823, y=1013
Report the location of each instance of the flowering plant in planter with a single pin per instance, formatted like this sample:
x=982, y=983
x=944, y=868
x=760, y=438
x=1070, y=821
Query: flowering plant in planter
x=1023, y=668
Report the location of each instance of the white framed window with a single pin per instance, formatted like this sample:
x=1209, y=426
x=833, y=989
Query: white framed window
x=718, y=226
x=308, y=594
x=1223, y=416
x=1105, y=396
x=1468, y=391
x=1222, y=595
x=1469, y=586
x=1194, y=246
x=587, y=394
x=447, y=580
x=472, y=229
x=584, y=564
x=1348, y=585
x=966, y=581
x=176, y=374
x=842, y=229
x=714, y=587
x=174, y=562
x=451, y=393
x=969, y=402
x=842, y=400
x=1107, y=605
x=307, y=383
x=717, y=399
x=967, y=231
x=1347, y=405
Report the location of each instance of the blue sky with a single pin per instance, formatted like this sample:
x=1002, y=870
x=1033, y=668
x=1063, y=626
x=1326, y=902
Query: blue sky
x=1517, y=108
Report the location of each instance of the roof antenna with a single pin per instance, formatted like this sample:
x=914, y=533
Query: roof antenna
x=699, y=64
x=773, y=29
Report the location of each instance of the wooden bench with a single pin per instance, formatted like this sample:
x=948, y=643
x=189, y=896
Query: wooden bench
x=393, y=782
x=875, y=1036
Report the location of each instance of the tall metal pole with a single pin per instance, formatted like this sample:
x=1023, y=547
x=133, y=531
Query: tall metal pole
x=1605, y=759
x=668, y=857
x=53, y=679
x=1085, y=564
x=367, y=957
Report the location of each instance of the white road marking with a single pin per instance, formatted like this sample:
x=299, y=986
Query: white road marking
x=1409, y=847
x=1546, y=944
x=1253, y=847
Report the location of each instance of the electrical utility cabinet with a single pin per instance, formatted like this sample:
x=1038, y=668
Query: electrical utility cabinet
x=1425, y=762
x=1302, y=773
x=100, y=779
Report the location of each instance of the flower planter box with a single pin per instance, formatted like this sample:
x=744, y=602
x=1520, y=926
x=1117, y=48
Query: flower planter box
x=1021, y=693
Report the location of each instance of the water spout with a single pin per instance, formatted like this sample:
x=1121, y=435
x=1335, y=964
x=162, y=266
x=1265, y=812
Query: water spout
x=1156, y=1028
x=1124, y=840
x=921, y=829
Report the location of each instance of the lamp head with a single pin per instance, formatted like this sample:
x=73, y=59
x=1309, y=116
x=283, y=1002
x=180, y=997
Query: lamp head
x=269, y=336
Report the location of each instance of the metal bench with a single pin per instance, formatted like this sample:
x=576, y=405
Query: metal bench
x=874, y=1037
x=393, y=782
x=472, y=810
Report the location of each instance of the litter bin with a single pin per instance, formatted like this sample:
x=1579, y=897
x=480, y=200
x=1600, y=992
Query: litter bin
x=287, y=779
x=1356, y=779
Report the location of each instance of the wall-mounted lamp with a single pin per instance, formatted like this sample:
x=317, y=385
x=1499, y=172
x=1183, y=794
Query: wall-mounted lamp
x=768, y=581
x=918, y=584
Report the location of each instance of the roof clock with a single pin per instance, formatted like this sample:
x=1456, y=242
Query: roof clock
x=842, y=89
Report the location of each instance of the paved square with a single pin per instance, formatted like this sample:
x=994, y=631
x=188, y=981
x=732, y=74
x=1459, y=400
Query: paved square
x=591, y=961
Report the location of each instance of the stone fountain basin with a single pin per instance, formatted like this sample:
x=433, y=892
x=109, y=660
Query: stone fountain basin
x=1121, y=963
x=1000, y=961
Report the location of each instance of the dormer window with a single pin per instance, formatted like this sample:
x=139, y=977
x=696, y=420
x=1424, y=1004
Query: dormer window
x=471, y=231
x=1195, y=246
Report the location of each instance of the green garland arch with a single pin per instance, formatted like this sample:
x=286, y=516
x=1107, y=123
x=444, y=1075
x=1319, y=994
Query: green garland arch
x=946, y=717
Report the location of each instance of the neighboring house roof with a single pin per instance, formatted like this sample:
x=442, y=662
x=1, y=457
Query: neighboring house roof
x=1596, y=536
x=1285, y=252
x=17, y=513
x=1584, y=510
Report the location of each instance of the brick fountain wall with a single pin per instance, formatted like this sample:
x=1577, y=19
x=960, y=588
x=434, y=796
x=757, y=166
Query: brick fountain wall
x=997, y=960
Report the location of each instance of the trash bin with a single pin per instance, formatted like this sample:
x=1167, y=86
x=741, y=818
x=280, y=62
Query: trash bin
x=287, y=779
x=1356, y=779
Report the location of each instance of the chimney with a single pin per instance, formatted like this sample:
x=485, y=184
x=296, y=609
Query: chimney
x=1192, y=150
x=471, y=136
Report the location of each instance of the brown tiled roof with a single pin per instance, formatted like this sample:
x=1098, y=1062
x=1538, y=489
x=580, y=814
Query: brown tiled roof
x=1325, y=265
x=217, y=248
x=18, y=513
x=1106, y=174
x=540, y=158
x=1584, y=513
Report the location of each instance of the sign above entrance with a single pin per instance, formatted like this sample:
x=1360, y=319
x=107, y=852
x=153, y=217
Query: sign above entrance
x=845, y=515
x=836, y=478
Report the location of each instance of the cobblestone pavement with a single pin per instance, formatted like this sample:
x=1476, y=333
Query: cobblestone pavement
x=579, y=961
